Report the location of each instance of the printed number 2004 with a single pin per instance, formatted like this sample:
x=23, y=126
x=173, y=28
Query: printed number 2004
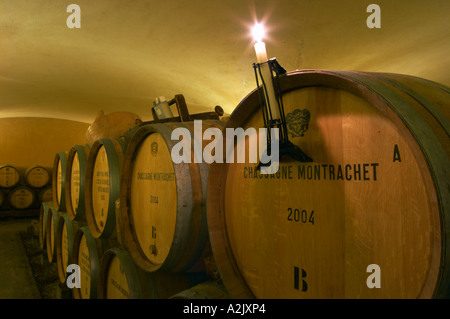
x=297, y=215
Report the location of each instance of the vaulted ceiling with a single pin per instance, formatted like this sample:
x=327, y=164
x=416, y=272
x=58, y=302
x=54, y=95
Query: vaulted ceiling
x=127, y=53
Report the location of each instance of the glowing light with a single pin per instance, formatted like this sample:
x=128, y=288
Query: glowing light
x=258, y=32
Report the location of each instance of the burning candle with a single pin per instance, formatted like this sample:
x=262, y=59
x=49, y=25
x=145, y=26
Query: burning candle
x=261, y=56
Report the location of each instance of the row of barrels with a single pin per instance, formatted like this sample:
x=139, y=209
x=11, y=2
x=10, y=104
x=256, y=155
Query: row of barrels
x=107, y=271
x=22, y=189
x=23, y=197
x=368, y=217
x=159, y=236
x=35, y=176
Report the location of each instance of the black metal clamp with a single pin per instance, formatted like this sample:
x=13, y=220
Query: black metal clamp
x=286, y=147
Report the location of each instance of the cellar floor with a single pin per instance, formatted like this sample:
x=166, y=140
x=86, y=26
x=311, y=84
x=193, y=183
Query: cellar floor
x=16, y=276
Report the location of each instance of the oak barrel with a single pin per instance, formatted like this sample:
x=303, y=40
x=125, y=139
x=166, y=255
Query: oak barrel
x=37, y=176
x=121, y=278
x=45, y=194
x=75, y=182
x=21, y=197
x=51, y=233
x=9, y=176
x=65, y=235
x=59, y=180
x=102, y=185
x=43, y=216
x=367, y=218
x=87, y=252
x=162, y=203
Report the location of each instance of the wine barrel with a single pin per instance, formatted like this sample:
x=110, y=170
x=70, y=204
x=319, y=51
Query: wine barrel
x=371, y=209
x=75, y=182
x=59, y=181
x=9, y=176
x=44, y=212
x=121, y=278
x=51, y=233
x=45, y=194
x=162, y=203
x=205, y=290
x=102, y=185
x=37, y=176
x=65, y=234
x=21, y=197
x=86, y=253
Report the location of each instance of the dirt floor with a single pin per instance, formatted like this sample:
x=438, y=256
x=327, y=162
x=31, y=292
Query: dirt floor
x=44, y=272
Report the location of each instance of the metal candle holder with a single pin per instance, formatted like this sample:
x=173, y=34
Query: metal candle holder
x=286, y=147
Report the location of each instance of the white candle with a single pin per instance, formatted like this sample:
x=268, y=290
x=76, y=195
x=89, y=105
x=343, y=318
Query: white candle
x=260, y=49
x=261, y=57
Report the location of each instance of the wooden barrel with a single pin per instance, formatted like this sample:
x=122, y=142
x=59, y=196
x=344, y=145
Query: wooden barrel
x=37, y=176
x=75, y=182
x=9, y=176
x=43, y=216
x=86, y=253
x=102, y=185
x=21, y=197
x=162, y=203
x=372, y=208
x=45, y=194
x=2, y=198
x=51, y=233
x=59, y=181
x=205, y=290
x=121, y=278
x=65, y=234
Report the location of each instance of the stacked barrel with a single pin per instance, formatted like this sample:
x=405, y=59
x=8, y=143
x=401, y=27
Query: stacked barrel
x=132, y=220
x=22, y=190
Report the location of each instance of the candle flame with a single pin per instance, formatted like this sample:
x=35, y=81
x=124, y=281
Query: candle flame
x=258, y=32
